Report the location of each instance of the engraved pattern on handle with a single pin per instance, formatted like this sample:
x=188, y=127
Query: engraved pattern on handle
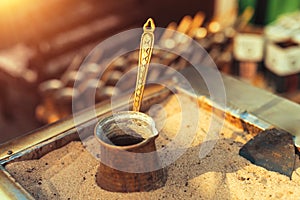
x=146, y=48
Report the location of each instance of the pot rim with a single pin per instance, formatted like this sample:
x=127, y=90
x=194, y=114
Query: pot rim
x=122, y=115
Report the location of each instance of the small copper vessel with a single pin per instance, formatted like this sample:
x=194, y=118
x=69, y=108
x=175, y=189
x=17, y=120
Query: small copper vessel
x=128, y=158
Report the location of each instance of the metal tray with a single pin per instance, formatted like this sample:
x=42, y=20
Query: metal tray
x=48, y=138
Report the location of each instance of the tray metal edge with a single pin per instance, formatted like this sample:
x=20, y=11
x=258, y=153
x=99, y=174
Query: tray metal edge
x=10, y=189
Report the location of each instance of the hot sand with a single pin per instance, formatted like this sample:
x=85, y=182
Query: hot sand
x=69, y=172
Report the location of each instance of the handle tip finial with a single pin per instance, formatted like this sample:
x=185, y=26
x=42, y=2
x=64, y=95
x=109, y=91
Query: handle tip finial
x=149, y=25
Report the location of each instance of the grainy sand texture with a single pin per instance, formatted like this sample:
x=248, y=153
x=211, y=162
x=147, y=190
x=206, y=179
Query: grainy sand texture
x=69, y=172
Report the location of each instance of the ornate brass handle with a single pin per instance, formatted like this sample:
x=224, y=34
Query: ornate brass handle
x=146, y=48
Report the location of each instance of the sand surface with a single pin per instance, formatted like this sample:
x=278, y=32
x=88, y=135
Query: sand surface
x=69, y=172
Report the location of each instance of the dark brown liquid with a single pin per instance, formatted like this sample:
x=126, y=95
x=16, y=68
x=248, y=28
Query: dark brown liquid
x=126, y=140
